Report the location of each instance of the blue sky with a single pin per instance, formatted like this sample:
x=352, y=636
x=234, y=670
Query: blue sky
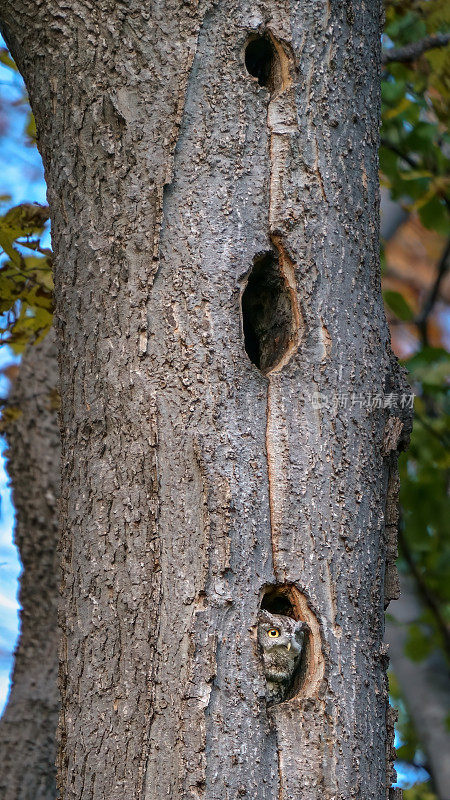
x=9, y=572
x=21, y=177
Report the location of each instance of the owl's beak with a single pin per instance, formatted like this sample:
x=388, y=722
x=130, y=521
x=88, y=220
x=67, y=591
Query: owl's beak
x=288, y=645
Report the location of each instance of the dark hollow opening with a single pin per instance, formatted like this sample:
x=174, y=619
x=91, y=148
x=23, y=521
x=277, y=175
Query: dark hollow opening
x=276, y=600
x=267, y=315
x=259, y=59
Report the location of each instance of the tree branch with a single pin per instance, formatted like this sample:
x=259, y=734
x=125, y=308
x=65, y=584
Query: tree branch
x=411, y=52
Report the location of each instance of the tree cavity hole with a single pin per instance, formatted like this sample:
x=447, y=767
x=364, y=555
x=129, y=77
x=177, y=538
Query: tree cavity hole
x=277, y=600
x=287, y=600
x=260, y=59
x=267, y=313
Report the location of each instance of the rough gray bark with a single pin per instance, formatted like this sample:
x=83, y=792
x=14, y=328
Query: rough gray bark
x=191, y=480
x=28, y=725
x=425, y=687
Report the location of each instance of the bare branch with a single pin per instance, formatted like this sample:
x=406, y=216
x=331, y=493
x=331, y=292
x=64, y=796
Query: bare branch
x=411, y=52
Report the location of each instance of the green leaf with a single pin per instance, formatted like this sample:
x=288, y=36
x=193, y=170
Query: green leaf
x=25, y=219
x=6, y=59
x=26, y=283
x=434, y=215
x=397, y=303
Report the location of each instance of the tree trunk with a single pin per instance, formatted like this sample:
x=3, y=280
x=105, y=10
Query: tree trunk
x=425, y=687
x=28, y=725
x=212, y=175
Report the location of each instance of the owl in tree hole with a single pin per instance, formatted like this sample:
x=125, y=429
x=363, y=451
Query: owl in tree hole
x=281, y=640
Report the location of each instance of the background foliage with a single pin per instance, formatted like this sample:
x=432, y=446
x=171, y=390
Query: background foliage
x=415, y=168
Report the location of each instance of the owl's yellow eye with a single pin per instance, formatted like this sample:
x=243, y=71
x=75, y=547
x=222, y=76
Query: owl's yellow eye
x=273, y=633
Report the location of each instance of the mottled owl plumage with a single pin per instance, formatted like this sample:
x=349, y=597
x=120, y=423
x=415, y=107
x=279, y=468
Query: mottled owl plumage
x=281, y=653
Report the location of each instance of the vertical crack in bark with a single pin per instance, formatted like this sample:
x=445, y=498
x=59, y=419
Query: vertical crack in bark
x=281, y=123
x=275, y=470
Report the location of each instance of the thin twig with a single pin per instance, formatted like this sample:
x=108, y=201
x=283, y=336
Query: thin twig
x=411, y=52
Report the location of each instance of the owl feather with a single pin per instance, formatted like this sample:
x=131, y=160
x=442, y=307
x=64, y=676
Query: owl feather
x=281, y=641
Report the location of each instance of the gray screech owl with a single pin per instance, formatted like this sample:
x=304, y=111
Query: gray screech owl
x=281, y=640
